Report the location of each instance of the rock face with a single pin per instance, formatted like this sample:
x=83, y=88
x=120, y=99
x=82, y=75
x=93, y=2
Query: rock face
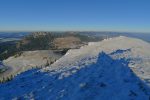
x=114, y=69
x=27, y=60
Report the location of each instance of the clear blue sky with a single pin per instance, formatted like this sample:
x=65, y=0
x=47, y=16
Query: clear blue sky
x=67, y=15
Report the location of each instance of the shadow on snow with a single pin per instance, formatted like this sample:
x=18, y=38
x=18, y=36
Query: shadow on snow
x=106, y=79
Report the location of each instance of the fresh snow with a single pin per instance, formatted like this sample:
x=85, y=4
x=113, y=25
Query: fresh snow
x=114, y=69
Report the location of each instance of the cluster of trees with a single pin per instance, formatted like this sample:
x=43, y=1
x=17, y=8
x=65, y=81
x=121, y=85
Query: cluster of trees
x=38, y=42
x=45, y=41
x=6, y=79
x=7, y=49
x=86, y=38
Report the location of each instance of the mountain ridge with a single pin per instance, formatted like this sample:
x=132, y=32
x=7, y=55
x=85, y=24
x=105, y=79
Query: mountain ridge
x=110, y=70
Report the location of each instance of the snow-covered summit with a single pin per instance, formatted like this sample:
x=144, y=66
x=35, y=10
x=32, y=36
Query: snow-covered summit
x=114, y=69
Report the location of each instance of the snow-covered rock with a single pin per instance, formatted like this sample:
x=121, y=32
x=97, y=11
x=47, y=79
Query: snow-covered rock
x=114, y=69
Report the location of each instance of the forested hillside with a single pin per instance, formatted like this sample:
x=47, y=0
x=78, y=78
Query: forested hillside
x=45, y=41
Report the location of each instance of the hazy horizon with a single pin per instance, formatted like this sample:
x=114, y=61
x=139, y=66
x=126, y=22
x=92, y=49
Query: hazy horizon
x=72, y=31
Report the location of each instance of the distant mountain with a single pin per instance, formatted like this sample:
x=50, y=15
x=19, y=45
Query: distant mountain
x=143, y=36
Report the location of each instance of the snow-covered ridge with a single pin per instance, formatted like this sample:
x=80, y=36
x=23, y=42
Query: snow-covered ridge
x=136, y=50
x=114, y=69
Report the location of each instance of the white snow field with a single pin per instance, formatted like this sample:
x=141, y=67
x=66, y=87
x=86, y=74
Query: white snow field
x=113, y=69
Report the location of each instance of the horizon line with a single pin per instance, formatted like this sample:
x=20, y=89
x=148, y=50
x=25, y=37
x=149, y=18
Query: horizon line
x=70, y=31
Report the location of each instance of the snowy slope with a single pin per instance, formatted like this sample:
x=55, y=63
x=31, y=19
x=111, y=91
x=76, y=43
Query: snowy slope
x=27, y=60
x=114, y=69
x=134, y=50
